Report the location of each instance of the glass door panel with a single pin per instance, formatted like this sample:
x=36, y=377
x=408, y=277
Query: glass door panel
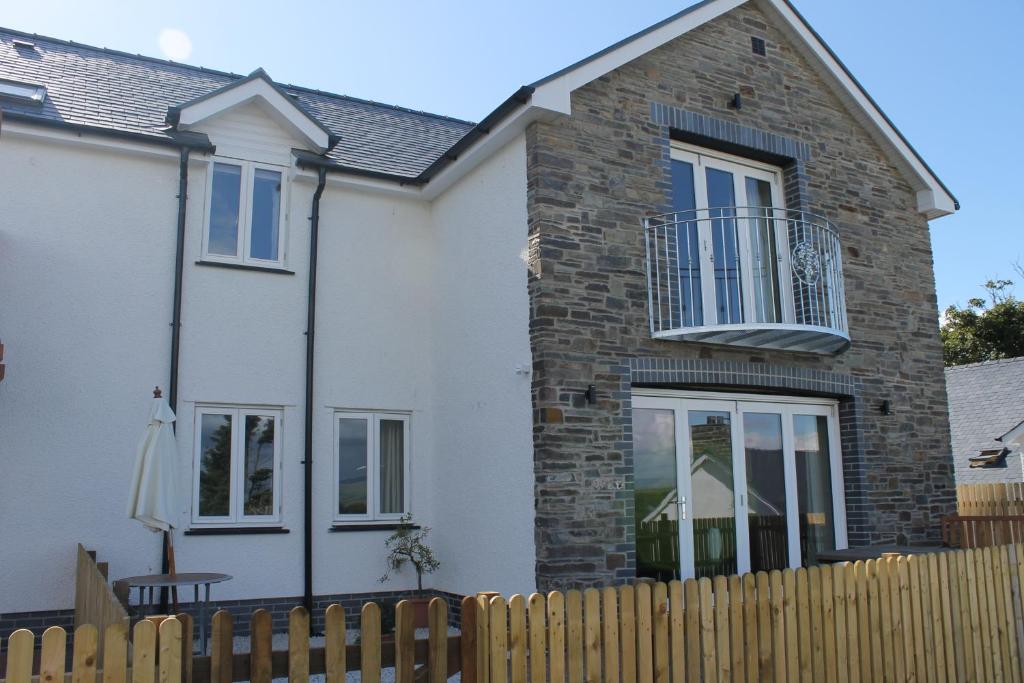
x=814, y=485
x=766, y=491
x=764, y=254
x=712, y=503
x=725, y=246
x=684, y=204
x=656, y=494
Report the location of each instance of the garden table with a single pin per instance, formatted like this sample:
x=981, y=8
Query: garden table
x=194, y=579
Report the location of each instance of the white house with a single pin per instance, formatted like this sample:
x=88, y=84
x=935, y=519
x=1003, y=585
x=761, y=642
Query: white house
x=693, y=268
x=421, y=384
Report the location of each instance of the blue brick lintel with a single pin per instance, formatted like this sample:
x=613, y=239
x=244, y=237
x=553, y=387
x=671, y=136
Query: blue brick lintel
x=727, y=131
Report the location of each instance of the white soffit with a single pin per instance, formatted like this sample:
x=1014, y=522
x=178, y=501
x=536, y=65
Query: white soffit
x=554, y=92
x=259, y=89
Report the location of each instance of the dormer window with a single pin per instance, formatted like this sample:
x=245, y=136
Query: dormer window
x=245, y=213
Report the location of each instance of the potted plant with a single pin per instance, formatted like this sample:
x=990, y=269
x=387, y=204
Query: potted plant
x=407, y=546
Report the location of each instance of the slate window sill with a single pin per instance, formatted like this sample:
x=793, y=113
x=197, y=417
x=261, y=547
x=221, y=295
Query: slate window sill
x=245, y=266
x=235, y=531
x=357, y=526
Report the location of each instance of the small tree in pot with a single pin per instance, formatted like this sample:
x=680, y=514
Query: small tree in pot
x=407, y=546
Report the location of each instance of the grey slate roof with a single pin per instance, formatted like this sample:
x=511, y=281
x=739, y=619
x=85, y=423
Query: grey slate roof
x=986, y=400
x=114, y=90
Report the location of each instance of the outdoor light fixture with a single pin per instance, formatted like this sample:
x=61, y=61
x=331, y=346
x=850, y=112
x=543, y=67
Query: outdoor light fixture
x=736, y=102
x=591, y=394
x=885, y=408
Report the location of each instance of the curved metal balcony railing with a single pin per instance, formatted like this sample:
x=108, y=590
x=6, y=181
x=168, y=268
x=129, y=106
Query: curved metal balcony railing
x=746, y=276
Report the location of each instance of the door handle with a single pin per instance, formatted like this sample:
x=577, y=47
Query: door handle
x=681, y=502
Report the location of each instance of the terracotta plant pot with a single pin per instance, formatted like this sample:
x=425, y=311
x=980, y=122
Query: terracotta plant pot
x=420, y=612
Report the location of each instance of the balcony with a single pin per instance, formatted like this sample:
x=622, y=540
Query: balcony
x=756, y=277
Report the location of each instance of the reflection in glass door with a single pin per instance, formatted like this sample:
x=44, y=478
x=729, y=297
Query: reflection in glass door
x=766, y=491
x=726, y=486
x=713, y=508
x=656, y=496
x=814, y=483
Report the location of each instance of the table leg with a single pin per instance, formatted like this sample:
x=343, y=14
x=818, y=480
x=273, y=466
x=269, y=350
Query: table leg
x=204, y=611
x=142, y=603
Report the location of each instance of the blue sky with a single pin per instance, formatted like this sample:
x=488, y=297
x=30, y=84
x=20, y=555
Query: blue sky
x=948, y=73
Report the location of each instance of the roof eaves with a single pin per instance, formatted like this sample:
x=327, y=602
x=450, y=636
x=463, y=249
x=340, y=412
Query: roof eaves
x=170, y=138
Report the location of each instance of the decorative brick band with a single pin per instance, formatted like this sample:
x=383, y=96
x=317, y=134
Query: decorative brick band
x=729, y=132
x=701, y=371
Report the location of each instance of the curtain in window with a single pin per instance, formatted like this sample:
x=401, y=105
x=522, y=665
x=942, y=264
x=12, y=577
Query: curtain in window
x=392, y=466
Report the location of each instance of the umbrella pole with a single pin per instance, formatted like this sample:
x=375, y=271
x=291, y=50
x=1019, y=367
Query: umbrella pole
x=171, y=569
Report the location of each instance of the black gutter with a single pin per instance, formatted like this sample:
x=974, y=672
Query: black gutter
x=518, y=99
x=307, y=462
x=196, y=141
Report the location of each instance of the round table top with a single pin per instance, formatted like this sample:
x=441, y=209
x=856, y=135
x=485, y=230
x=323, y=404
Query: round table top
x=179, y=579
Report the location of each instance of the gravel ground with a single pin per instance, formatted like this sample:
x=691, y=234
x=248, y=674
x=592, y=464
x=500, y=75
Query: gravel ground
x=280, y=642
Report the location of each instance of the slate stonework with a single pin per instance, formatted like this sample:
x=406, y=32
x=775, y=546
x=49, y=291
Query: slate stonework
x=591, y=179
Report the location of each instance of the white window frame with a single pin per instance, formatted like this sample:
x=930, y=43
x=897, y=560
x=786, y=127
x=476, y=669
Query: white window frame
x=238, y=414
x=373, y=418
x=701, y=159
x=247, y=185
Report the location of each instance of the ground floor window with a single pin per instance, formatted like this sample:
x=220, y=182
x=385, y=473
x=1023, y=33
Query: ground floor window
x=237, y=465
x=371, y=466
x=728, y=484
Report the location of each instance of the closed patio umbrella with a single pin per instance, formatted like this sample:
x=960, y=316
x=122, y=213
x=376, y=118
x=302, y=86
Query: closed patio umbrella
x=153, y=497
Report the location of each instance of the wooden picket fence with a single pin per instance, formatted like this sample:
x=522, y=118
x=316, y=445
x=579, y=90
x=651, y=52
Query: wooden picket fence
x=956, y=616
x=987, y=515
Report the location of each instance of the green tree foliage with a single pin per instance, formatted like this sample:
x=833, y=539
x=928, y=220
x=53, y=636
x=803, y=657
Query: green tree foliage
x=985, y=330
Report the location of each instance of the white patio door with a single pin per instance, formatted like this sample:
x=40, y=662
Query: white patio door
x=743, y=484
x=731, y=268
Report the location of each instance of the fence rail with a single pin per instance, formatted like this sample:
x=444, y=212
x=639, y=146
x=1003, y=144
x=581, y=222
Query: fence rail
x=955, y=616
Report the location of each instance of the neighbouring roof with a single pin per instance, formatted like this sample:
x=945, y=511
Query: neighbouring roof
x=986, y=401
x=104, y=88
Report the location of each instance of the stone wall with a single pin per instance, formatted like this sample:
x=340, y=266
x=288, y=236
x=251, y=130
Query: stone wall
x=594, y=175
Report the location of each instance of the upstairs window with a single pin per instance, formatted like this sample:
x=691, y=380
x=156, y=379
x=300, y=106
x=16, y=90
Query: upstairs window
x=245, y=213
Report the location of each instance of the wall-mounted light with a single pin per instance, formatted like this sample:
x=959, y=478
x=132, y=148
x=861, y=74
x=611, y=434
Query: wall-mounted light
x=736, y=102
x=885, y=407
x=591, y=394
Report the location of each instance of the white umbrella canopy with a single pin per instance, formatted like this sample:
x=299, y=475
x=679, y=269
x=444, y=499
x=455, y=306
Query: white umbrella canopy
x=153, y=497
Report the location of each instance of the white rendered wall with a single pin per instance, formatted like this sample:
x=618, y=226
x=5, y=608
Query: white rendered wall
x=86, y=265
x=421, y=308
x=482, y=409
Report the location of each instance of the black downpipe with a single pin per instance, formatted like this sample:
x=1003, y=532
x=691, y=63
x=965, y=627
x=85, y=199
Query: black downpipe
x=179, y=265
x=307, y=531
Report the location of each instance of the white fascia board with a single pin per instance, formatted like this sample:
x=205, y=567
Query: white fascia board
x=932, y=198
x=555, y=94
x=284, y=112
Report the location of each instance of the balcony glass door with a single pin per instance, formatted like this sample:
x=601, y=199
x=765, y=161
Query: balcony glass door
x=729, y=485
x=729, y=249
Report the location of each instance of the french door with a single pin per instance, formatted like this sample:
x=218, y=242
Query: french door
x=727, y=484
x=732, y=268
